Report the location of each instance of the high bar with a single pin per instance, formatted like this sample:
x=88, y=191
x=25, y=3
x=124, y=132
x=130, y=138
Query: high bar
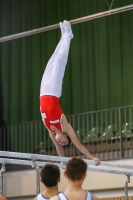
x=35, y=157
x=41, y=164
x=74, y=21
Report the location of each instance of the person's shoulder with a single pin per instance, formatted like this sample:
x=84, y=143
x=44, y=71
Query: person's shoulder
x=94, y=197
x=54, y=198
x=37, y=196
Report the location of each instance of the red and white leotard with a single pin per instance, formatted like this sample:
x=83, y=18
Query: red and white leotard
x=51, y=112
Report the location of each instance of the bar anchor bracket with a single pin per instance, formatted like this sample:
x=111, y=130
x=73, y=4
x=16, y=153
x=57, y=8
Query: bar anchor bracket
x=34, y=165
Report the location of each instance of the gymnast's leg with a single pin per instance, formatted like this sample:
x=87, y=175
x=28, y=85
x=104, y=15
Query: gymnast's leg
x=60, y=62
x=52, y=79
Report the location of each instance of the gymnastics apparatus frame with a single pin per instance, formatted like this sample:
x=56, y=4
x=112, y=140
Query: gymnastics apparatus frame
x=36, y=161
x=75, y=21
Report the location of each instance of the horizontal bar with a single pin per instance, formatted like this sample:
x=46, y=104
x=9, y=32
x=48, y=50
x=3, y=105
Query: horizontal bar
x=36, y=157
x=5, y=161
x=109, y=164
x=57, y=159
x=41, y=164
x=74, y=21
x=110, y=171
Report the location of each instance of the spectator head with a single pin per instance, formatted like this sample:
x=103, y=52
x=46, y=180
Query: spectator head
x=50, y=175
x=76, y=169
x=2, y=198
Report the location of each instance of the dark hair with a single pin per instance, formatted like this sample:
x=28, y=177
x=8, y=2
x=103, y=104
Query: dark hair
x=50, y=174
x=75, y=169
x=69, y=141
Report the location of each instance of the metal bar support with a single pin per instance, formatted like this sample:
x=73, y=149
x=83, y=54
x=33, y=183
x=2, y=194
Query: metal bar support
x=1, y=179
x=35, y=157
x=120, y=129
x=74, y=21
x=1, y=182
x=41, y=164
x=34, y=165
x=126, y=187
x=37, y=180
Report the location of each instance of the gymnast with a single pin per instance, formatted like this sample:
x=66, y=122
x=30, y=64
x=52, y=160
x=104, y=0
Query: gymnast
x=60, y=131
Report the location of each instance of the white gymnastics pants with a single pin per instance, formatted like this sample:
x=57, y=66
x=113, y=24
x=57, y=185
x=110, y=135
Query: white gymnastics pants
x=52, y=79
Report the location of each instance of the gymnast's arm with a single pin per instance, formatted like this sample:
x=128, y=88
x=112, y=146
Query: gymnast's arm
x=59, y=148
x=67, y=128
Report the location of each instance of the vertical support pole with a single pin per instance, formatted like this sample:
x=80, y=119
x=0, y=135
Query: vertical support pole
x=34, y=165
x=1, y=179
x=120, y=129
x=31, y=136
x=1, y=183
x=126, y=187
x=74, y=148
x=37, y=180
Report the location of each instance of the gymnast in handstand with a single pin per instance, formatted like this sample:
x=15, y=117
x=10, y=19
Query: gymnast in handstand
x=60, y=131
